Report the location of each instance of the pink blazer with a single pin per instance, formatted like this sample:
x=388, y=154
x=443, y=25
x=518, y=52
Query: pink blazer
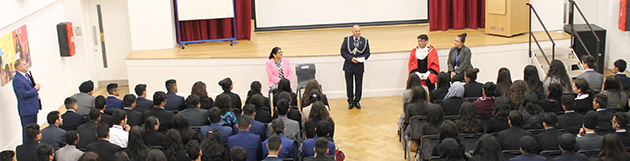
x=274, y=74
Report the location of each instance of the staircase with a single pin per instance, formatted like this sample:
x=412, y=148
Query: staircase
x=564, y=54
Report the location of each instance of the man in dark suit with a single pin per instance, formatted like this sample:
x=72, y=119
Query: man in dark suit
x=214, y=115
x=619, y=123
x=274, y=145
x=87, y=131
x=599, y=104
x=134, y=118
x=142, y=103
x=174, y=102
x=45, y=152
x=195, y=116
x=113, y=103
x=288, y=145
x=85, y=100
x=258, y=127
x=509, y=138
x=321, y=149
x=594, y=79
x=571, y=121
x=99, y=104
x=26, y=90
x=620, y=67
x=27, y=150
x=165, y=117
x=103, y=147
x=323, y=131
x=529, y=150
x=355, y=50
x=547, y=139
x=53, y=135
x=248, y=141
x=566, y=142
x=71, y=119
x=587, y=139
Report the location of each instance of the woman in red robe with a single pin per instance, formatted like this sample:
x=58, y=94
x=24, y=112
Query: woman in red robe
x=423, y=61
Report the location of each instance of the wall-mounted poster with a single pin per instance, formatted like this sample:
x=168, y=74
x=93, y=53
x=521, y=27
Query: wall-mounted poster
x=13, y=46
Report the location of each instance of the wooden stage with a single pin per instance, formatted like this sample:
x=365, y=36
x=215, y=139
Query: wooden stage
x=327, y=42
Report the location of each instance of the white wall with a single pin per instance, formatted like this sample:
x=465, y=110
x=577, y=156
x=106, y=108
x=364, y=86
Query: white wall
x=550, y=12
x=58, y=76
x=616, y=40
x=152, y=24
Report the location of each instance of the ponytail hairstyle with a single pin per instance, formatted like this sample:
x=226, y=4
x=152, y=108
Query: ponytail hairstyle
x=226, y=84
x=274, y=51
x=471, y=73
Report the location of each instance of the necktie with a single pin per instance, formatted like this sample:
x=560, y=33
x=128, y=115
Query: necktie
x=28, y=77
x=356, y=42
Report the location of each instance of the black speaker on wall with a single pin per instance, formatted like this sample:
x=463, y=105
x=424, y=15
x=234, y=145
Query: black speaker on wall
x=590, y=42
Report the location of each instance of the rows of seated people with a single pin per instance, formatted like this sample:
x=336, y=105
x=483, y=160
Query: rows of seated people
x=512, y=109
x=171, y=124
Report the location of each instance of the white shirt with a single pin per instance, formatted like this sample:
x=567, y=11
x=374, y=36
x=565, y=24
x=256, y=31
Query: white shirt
x=600, y=109
x=569, y=111
x=118, y=136
x=422, y=53
x=589, y=70
x=621, y=73
x=621, y=131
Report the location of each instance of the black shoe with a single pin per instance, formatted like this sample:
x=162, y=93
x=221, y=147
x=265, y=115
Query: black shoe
x=350, y=106
x=358, y=105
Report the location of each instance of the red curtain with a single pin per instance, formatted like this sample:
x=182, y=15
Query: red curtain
x=456, y=14
x=219, y=28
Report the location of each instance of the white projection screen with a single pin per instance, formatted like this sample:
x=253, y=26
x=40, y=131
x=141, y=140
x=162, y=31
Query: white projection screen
x=204, y=9
x=291, y=13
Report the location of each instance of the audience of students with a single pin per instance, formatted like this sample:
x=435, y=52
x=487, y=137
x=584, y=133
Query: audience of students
x=472, y=87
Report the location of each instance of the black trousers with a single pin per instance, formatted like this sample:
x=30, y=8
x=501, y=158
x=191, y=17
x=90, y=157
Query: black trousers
x=354, y=95
x=457, y=77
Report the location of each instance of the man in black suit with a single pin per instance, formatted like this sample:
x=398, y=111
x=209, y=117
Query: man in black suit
x=571, y=121
x=620, y=67
x=195, y=116
x=103, y=147
x=508, y=138
x=134, y=118
x=566, y=142
x=53, y=135
x=27, y=150
x=71, y=119
x=142, y=103
x=87, y=131
x=321, y=149
x=175, y=102
x=599, y=104
x=355, y=50
x=274, y=146
x=45, y=152
x=587, y=139
x=165, y=117
x=619, y=123
x=99, y=104
x=547, y=140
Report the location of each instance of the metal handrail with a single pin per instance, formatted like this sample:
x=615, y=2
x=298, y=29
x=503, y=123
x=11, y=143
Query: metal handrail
x=531, y=35
x=574, y=33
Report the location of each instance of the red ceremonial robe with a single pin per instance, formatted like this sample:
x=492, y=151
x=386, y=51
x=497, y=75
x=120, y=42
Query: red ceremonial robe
x=433, y=63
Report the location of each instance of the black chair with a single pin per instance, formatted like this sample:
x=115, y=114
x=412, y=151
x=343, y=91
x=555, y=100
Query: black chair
x=550, y=154
x=427, y=142
x=304, y=72
x=157, y=147
x=470, y=140
x=197, y=129
x=603, y=130
x=415, y=132
x=507, y=154
x=434, y=158
x=472, y=99
x=451, y=117
x=589, y=153
x=535, y=131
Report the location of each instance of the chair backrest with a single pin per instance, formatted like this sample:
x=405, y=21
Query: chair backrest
x=451, y=117
x=603, y=130
x=427, y=142
x=589, y=153
x=550, y=154
x=415, y=124
x=535, y=131
x=470, y=140
x=434, y=158
x=304, y=73
x=472, y=99
x=510, y=153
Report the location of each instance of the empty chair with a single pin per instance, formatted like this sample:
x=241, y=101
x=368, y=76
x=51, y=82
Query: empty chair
x=470, y=140
x=304, y=73
x=414, y=132
x=427, y=142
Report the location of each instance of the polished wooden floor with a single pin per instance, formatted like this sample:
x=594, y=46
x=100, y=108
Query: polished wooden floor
x=326, y=42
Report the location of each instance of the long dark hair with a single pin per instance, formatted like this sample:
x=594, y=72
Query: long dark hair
x=199, y=89
x=467, y=120
x=557, y=71
x=254, y=88
x=319, y=111
x=311, y=85
x=137, y=147
x=448, y=129
x=531, y=78
x=530, y=103
x=504, y=81
x=211, y=148
x=435, y=118
x=612, y=149
x=502, y=108
x=284, y=85
x=224, y=103
x=274, y=51
x=180, y=123
x=172, y=144
x=488, y=149
x=413, y=80
x=150, y=122
x=583, y=86
x=516, y=92
x=443, y=80
x=612, y=84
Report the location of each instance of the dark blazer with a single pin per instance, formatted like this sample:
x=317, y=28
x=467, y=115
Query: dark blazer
x=27, y=96
x=294, y=99
x=590, y=141
x=71, y=120
x=225, y=131
x=548, y=139
x=624, y=80
x=134, y=118
x=309, y=128
x=257, y=128
x=113, y=103
x=154, y=138
x=195, y=116
x=496, y=125
x=165, y=117
x=438, y=93
x=571, y=156
x=272, y=158
x=550, y=106
x=473, y=89
x=624, y=137
x=584, y=105
x=363, y=50
x=287, y=150
x=528, y=157
x=508, y=139
x=104, y=149
x=248, y=141
x=143, y=104
x=174, y=102
x=320, y=158
x=207, y=103
x=106, y=118
x=263, y=115
x=27, y=151
x=452, y=105
x=309, y=144
x=54, y=136
x=604, y=117
x=571, y=122
x=87, y=134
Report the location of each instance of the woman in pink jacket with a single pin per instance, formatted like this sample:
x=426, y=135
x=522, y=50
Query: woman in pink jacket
x=277, y=67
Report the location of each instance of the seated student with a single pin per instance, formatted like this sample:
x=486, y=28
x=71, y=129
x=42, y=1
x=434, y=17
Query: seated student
x=284, y=85
x=70, y=151
x=485, y=105
x=119, y=132
x=504, y=82
x=87, y=131
x=318, y=113
x=7, y=155
x=173, y=101
x=53, y=135
x=584, y=99
x=84, y=99
x=594, y=78
x=99, y=104
x=612, y=149
x=616, y=96
x=453, y=99
x=566, y=143
x=552, y=103
x=547, y=140
x=619, y=123
x=571, y=121
x=529, y=150
x=173, y=146
x=103, y=147
x=587, y=139
x=599, y=104
x=435, y=118
x=274, y=144
x=292, y=127
x=45, y=152
x=472, y=87
x=443, y=84
x=294, y=113
x=467, y=121
x=255, y=88
x=165, y=117
x=152, y=136
x=323, y=131
x=314, y=96
x=620, y=67
x=112, y=102
x=449, y=149
x=227, y=86
x=321, y=151
x=193, y=113
x=193, y=151
x=487, y=149
x=215, y=123
x=134, y=117
x=499, y=120
x=258, y=127
x=199, y=89
x=27, y=149
x=238, y=154
x=137, y=148
x=142, y=103
x=262, y=111
x=448, y=130
x=248, y=141
x=71, y=119
x=531, y=111
x=212, y=149
x=185, y=132
x=288, y=146
x=509, y=138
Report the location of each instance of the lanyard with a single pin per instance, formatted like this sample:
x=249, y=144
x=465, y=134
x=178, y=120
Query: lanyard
x=456, y=58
